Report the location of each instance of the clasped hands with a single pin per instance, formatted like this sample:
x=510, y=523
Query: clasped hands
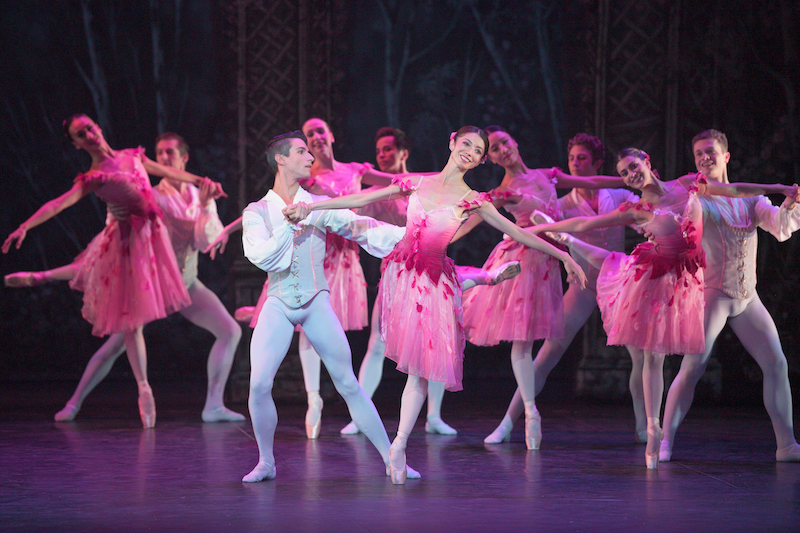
x=294, y=213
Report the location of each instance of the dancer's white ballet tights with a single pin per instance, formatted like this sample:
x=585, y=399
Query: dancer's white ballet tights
x=262, y=472
x=502, y=433
x=222, y=414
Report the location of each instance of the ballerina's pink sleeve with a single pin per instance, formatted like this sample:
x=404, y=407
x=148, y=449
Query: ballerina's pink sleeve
x=476, y=202
x=405, y=184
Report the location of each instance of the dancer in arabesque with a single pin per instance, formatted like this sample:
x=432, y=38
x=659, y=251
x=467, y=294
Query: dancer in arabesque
x=653, y=298
x=128, y=273
x=730, y=241
x=190, y=215
x=419, y=292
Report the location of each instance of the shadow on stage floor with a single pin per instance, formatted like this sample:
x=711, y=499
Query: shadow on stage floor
x=103, y=472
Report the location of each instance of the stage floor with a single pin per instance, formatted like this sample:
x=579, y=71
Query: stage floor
x=103, y=472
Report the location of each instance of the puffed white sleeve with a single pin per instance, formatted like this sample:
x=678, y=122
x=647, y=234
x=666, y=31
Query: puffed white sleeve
x=207, y=225
x=268, y=248
x=781, y=221
x=377, y=238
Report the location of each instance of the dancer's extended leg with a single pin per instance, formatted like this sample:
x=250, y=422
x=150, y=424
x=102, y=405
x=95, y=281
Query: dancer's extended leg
x=637, y=393
x=522, y=364
x=32, y=279
x=653, y=384
x=96, y=370
x=414, y=394
x=137, y=357
x=207, y=312
x=434, y=422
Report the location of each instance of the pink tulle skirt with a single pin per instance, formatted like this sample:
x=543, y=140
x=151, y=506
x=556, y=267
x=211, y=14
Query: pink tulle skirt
x=527, y=307
x=662, y=315
x=129, y=276
x=347, y=283
x=421, y=323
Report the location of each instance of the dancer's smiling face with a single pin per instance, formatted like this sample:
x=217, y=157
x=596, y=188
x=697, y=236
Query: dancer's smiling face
x=635, y=172
x=318, y=136
x=85, y=133
x=710, y=158
x=468, y=150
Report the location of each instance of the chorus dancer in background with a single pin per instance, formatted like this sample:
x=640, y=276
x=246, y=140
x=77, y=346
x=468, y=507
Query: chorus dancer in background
x=653, y=298
x=419, y=294
x=730, y=243
x=292, y=254
x=128, y=273
x=190, y=215
x=531, y=306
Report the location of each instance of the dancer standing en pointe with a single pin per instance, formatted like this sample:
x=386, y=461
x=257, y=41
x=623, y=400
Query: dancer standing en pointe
x=419, y=294
x=190, y=215
x=730, y=243
x=653, y=298
x=531, y=306
x=128, y=273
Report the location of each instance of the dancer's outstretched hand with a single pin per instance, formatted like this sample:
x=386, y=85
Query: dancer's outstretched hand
x=218, y=244
x=17, y=235
x=208, y=190
x=575, y=273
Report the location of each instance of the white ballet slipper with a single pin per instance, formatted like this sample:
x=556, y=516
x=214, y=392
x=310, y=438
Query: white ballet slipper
x=350, y=429
x=67, y=414
x=538, y=217
x=436, y=425
x=788, y=454
x=500, y=435
x=262, y=472
x=222, y=414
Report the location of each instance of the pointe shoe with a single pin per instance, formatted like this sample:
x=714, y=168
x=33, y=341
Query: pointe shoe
x=147, y=408
x=499, y=435
x=350, y=429
x=651, y=454
x=67, y=414
x=244, y=314
x=788, y=454
x=501, y=273
x=221, y=414
x=397, y=465
x=261, y=472
x=436, y=425
x=539, y=217
x=533, y=430
x=24, y=279
x=410, y=472
x=314, y=418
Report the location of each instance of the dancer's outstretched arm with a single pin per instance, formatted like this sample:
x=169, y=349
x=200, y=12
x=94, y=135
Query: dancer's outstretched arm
x=490, y=214
x=743, y=190
x=297, y=212
x=164, y=171
x=48, y=211
x=568, y=181
x=616, y=217
x=218, y=244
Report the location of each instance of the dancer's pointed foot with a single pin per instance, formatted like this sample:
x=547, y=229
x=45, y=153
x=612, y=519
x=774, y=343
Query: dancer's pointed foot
x=314, y=416
x=67, y=414
x=24, y=279
x=533, y=429
x=397, y=464
x=539, y=217
x=222, y=414
x=665, y=453
x=410, y=472
x=501, y=434
x=350, y=429
x=788, y=454
x=147, y=408
x=501, y=273
x=262, y=472
x=244, y=314
x=436, y=425
x=654, y=438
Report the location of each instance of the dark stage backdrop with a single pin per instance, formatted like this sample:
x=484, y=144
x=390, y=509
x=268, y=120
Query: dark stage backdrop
x=427, y=67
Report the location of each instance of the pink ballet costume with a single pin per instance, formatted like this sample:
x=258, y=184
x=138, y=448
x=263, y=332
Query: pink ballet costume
x=348, y=286
x=128, y=273
x=529, y=306
x=420, y=295
x=653, y=299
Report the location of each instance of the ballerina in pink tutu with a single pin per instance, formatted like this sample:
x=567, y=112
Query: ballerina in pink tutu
x=128, y=273
x=419, y=294
x=530, y=306
x=653, y=298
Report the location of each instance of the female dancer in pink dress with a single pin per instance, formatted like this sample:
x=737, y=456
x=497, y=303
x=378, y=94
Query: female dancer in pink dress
x=419, y=294
x=128, y=272
x=653, y=298
x=530, y=306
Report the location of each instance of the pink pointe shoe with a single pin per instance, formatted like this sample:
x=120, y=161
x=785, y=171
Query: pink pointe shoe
x=24, y=279
x=244, y=314
x=654, y=438
x=147, y=408
x=314, y=417
x=501, y=273
x=397, y=465
x=533, y=429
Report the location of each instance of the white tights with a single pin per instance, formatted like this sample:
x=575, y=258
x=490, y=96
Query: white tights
x=270, y=342
x=753, y=325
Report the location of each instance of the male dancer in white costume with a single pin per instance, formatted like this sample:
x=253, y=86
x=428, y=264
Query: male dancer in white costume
x=730, y=244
